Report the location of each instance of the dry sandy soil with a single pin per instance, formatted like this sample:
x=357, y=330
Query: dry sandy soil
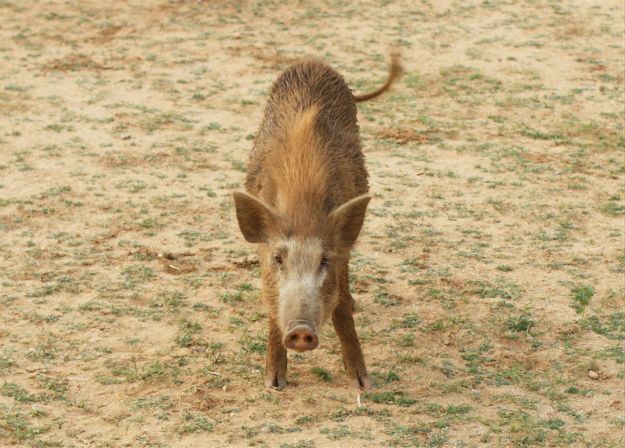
x=489, y=274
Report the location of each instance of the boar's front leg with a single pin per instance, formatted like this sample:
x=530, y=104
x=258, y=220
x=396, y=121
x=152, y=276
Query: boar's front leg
x=275, y=361
x=343, y=321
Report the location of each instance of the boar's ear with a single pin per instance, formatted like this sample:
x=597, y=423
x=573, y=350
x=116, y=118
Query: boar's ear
x=348, y=219
x=254, y=217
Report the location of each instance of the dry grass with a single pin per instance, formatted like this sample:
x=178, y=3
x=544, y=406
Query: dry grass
x=488, y=278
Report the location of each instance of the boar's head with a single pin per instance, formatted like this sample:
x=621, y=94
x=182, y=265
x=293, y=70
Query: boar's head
x=303, y=266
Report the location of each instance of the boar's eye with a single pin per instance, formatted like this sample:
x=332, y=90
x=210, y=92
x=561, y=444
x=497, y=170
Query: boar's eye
x=278, y=259
x=325, y=261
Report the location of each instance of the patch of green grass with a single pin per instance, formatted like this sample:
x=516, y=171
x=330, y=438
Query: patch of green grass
x=193, y=236
x=410, y=320
x=231, y=297
x=613, y=209
x=437, y=325
x=515, y=374
x=6, y=362
x=169, y=299
x=322, y=374
x=343, y=431
x=304, y=420
x=616, y=352
x=42, y=352
x=238, y=165
x=155, y=371
x=475, y=359
x=209, y=310
x=520, y=324
x=461, y=80
x=576, y=391
x=581, y=296
x=131, y=185
x=135, y=275
x=193, y=422
x=17, y=392
x=612, y=326
x=299, y=444
x=19, y=427
x=407, y=340
x=15, y=88
x=498, y=288
x=57, y=387
x=437, y=410
x=540, y=135
x=384, y=378
x=416, y=435
x=525, y=430
x=397, y=398
x=187, y=336
x=386, y=299
x=253, y=344
x=162, y=402
x=151, y=122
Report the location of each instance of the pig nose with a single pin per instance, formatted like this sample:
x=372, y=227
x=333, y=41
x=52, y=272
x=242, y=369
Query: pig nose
x=301, y=338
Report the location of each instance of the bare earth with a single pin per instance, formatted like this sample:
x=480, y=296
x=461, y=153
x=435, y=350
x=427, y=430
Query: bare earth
x=489, y=274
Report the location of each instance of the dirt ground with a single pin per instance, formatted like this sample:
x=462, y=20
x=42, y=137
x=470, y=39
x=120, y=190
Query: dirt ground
x=489, y=275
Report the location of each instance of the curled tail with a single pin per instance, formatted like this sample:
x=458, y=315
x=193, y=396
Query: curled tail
x=394, y=72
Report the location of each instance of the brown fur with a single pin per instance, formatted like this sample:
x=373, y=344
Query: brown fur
x=310, y=106
x=306, y=181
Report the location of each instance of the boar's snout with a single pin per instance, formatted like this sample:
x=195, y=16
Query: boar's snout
x=301, y=338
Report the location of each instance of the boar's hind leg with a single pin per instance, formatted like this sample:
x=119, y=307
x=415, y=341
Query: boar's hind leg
x=343, y=321
x=275, y=368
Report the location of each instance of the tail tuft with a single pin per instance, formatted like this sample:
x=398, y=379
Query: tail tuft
x=394, y=73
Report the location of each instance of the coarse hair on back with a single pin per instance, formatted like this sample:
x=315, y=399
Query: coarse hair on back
x=300, y=169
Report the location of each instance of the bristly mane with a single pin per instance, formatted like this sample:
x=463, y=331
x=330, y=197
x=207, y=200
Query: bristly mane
x=299, y=168
x=307, y=158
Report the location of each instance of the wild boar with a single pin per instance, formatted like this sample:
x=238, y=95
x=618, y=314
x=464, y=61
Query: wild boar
x=304, y=207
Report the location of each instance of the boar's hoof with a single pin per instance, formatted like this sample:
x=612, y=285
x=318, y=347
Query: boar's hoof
x=362, y=382
x=301, y=338
x=275, y=382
